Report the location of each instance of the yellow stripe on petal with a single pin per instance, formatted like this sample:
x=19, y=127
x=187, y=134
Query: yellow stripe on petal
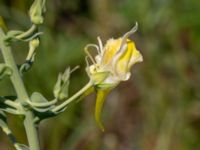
x=136, y=58
x=111, y=47
x=121, y=65
x=101, y=95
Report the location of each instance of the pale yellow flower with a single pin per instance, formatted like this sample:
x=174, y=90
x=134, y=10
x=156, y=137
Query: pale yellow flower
x=111, y=65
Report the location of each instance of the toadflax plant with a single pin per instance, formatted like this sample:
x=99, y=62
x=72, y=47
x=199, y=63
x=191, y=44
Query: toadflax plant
x=111, y=65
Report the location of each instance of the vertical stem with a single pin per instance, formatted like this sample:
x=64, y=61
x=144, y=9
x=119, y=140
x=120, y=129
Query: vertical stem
x=21, y=93
x=15, y=77
x=31, y=131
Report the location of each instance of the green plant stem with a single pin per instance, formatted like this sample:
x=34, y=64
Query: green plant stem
x=21, y=93
x=74, y=97
x=31, y=131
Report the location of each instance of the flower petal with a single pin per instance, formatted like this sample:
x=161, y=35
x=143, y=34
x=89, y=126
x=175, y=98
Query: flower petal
x=136, y=58
x=122, y=59
x=110, y=49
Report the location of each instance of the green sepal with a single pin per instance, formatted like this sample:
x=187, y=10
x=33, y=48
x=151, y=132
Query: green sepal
x=105, y=86
x=99, y=77
x=38, y=98
x=61, y=88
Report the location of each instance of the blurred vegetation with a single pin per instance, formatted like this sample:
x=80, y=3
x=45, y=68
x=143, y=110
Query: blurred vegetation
x=158, y=109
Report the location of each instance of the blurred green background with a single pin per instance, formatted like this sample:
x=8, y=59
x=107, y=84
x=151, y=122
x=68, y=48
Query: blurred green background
x=157, y=109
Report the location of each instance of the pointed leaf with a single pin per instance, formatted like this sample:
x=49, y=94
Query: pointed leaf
x=38, y=98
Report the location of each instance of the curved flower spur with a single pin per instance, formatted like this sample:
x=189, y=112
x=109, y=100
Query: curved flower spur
x=110, y=66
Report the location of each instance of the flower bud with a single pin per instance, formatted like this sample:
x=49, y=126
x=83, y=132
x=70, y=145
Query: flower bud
x=36, y=11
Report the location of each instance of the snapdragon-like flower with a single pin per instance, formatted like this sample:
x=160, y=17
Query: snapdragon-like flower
x=111, y=65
